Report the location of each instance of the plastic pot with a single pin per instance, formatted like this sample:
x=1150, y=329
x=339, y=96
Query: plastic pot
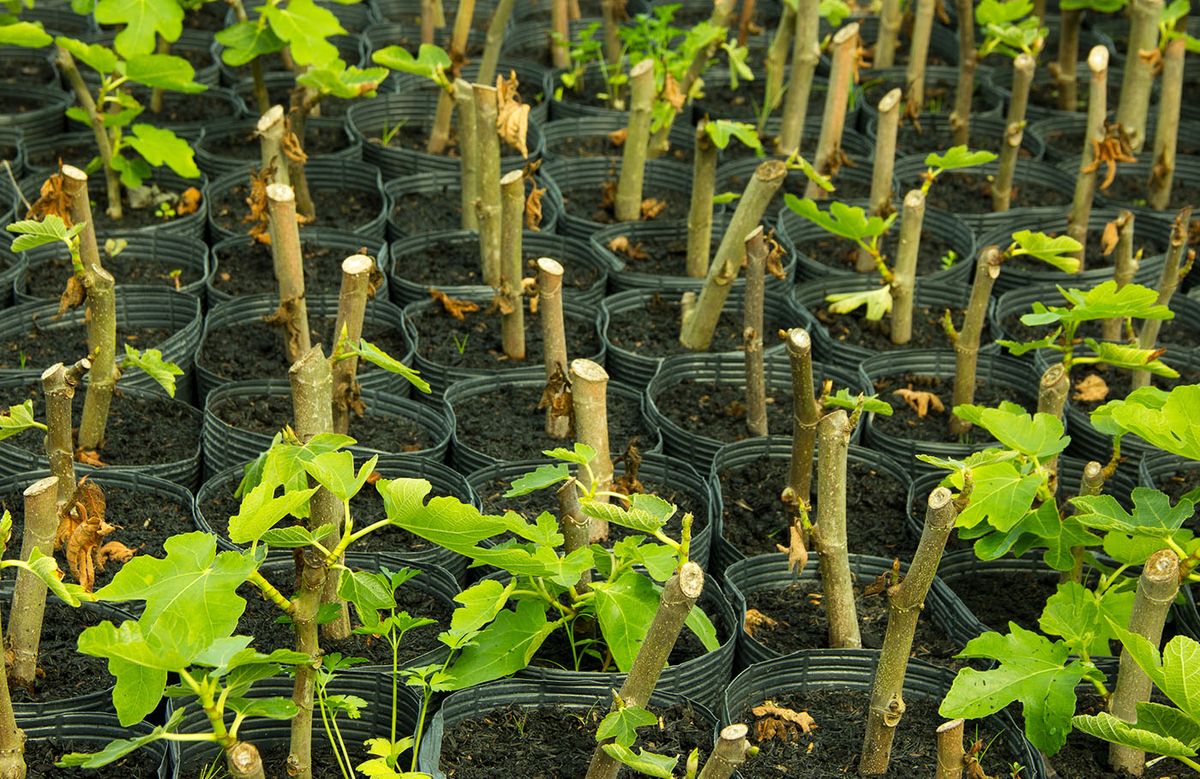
x=735, y=172
x=987, y=132
x=940, y=83
x=575, y=103
x=526, y=693
x=219, y=104
x=75, y=147
x=226, y=445
x=855, y=669
x=136, y=308
x=1000, y=85
x=161, y=250
x=350, y=50
x=34, y=110
x=441, y=376
x=409, y=12
x=446, y=187
x=348, y=243
x=279, y=89
x=468, y=458
x=591, y=132
x=637, y=366
x=943, y=43
x=323, y=174
x=61, y=19
x=1157, y=468
x=368, y=121
x=247, y=151
x=12, y=266
x=94, y=727
x=997, y=370
x=1022, y=279
x=726, y=369
x=12, y=151
x=943, y=225
x=530, y=80
x=1135, y=175
x=855, y=145
x=563, y=176
x=656, y=468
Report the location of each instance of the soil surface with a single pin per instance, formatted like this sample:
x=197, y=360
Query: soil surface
x=745, y=102
x=755, y=519
x=275, y=754
x=452, y=262
x=1180, y=483
x=244, y=145
x=656, y=255
x=342, y=207
x=967, y=192
x=1024, y=596
x=64, y=671
x=474, y=342
x=416, y=213
x=555, y=742
x=1131, y=189
x=935, y=135
x=181, y=109
x=32, y=68
x=601, y=145
x=904, y=422
x=717, y=410
x=1085, y=757
x=939, y=94
x=796, y=183
x=652, y=330
x=246, y=267
x=836, y=741
x=927, y=330
x=41, y=755
x=47, y=342
x=843, y=255
x=596, y=202
x=46, y=279
x=1094, y=256
x=1119, y=382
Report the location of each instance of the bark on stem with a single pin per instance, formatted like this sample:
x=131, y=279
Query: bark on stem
x=557, y=396
x=805, y=415
x=829, y=146
x=560, y=34
x=611, y=12
x=637, y=139
x=464, y=101
x=1134, y=104
x=886, y=128
x=576, y=527
x=262, y=100
x=700, y=217
x=1023, y=69
x=112, y=180
x=1125, y=266
x=777, y=57
x=679, y=595
x=305, y=606
x=493, y=41
x=12, y=738
x=806, y=52
x=950, y=750
x=915, y=74
x=58, y=387
x=79, y=206
x=745, y=21
x=1166, y=136
x=589, y=398
x=1052, y=399
x=966, y=342
x=303, y=101
x=352, y=307
x=890, y=18
x=439, y=133
x=289, y=270
x=698, y=328
x=904, y=608
x=836, y=581
x=512, y=321
x=243, y=761
x=752, y=332
x=29, y=592
x=1156, y=590
x=431, y=18
x=1167, y=284
x=1068, y=55
x=101, y=320
x=904, y=275
x=1085, y=182
x=487, y=144
x=1091, y=482
x=968, y=61
x=270, y=130
x=731, y=750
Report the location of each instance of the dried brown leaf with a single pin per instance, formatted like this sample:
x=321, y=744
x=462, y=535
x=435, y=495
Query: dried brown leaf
x=557, y=394
x=634, y=251
x=617, y=137
x=259, y=217
x=628, y=482
x=189, y=202
x=455, y=307
x=52, y=199
x=672, y=94
x=920, y=401
x=775, y=721
x=533, y=208
x=89, y=457
x=72, y=295
x=755, y=619
x=292, y=148
x=796, y=550
x=1091, y=389
x=512, y=119
x=652, y=207
x=1109, y=238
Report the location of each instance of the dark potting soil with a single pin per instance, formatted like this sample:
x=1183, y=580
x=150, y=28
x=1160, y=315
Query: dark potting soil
x=46, y=279
x=844, y=187
x=205, y=17
x=143, y=521
x=141, y=430
x=799, y=621
x=254, y=349
x=597, y=204
x=556, y=742
x=20, y=104
x=341, y=207
x=1119, y=382
x=42, y=754
x=452, y=263
x=904, y=422
x=381, y=432
x=1180, y=483
x=274, y=754
x=1085, y=757
x=416, y=213
x=601, y=145
x=939, y=94
x=999, y=597
x=1044, y=93
x=1131, y=189
x=77, y=154
x=744, y=103
x=179, y=108
x=718, y=409
x=934, y=135
x=966, y=192
x=843, y=255
x=244, y=145
x=66, y=343
x=755, y=519
x=246, y=268
x=261, y=620
x=855, y=329
x=653, y=329
x=505, y=423
x=655, y=255
x=26, y=69
x=840, y=713
x=132, y=218
x=414, y=135
x=474, y=342
x=64, y=671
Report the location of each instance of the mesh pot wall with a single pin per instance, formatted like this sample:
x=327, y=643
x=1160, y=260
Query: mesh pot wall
x=637, y=366
x=12, y=151
x=855, y=669
x=468, y=458
x=161, y=251
x=31, y=66
x=1011, y=375
x=478, y=701
x=226, y=445
x=576, y=256
x=241, y=312
x=771, y=572
x=42, y=153
x=987, y=132
x=943, y=225
x=12, y=266
x=531, y=77
x=136, y=309
x=444, y=481
x=734, y=173
x=340, y=175
x=663, y=177
x=1000, y=85
x=279, y=88
x=655, y=467
x=369, y=120
x=1129, y=188
x=940, y=84
x=34, y=110
x=591, y=133
x=441, y=376
x=724, y=369
x=810, y=296
x=348, y=243
x=409, y=12
x=445, y=186
x=214, y=158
